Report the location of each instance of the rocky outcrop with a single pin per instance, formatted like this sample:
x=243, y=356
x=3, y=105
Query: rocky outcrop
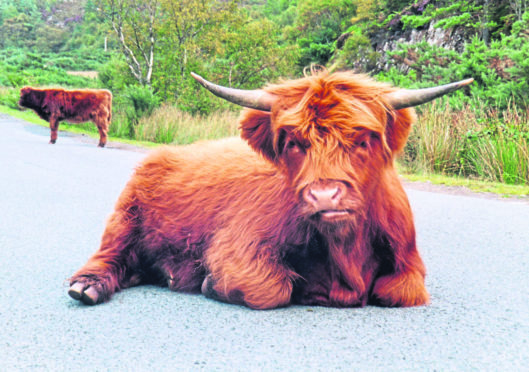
x=384, y=41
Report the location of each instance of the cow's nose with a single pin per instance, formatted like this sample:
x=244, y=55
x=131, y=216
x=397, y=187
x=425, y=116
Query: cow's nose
x=323, y=197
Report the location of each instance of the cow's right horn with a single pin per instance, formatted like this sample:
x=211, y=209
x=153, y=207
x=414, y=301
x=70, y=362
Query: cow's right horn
x=256, y=99
x=413, y=97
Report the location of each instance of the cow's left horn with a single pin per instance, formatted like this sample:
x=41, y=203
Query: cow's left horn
x=413, y=97
x=256, y=99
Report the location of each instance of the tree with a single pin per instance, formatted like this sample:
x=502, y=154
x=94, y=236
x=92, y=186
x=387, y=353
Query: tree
x=252, y=55
x=318, y=24
x=134, y=23
x=185, y=37
x=50, y=38
x=519, y=7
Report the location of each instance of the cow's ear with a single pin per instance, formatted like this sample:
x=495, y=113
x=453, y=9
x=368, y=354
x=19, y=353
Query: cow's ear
x=398, y=128
x=257, y=130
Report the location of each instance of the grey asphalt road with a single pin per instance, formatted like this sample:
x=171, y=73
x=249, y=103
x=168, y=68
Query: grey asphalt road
x=54, y=200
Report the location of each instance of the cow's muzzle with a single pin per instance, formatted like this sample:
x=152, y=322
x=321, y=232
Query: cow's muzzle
x=325, y=199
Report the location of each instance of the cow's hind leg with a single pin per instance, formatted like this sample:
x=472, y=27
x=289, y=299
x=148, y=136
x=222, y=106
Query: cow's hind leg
x=102, y=127
x=113, y=267
x=102, y=136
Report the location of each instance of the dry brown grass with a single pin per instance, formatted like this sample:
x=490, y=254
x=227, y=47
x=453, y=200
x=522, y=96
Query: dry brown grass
x=88, y=74
x=168, y=124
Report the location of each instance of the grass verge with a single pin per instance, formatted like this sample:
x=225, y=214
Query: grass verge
x=501, y=189
x=88, y=129
x=498, y=188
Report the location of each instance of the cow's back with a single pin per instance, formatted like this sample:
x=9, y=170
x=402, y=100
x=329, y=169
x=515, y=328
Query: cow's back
x=86, y=104
x=198, y=189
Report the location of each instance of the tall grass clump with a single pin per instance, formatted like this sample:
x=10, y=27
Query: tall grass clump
x=476, y=141
x=168, y=124
x=120, y=126
x=437, y=139
x=499, y=150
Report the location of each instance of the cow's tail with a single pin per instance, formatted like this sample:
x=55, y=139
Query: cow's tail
x=110, y=109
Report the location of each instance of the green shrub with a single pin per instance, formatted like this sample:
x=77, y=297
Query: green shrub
x=500, y=70
x=115, y=75
x=139, y=101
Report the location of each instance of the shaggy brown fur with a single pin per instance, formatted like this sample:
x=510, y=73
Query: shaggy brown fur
x=311, y=213
x=74, y=106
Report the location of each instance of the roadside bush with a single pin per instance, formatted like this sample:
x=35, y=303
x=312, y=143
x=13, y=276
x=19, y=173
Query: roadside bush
x=142, y=102
x=138, y=101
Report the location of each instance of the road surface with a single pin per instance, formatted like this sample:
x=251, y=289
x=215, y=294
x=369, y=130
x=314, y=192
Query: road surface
x=54, y=201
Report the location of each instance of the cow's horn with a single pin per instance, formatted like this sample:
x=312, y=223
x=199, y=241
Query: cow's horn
x=256, y=99
x=413, y=97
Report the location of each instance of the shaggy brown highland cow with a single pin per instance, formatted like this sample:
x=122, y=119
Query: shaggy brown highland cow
x=311, y=212
x=73, y=106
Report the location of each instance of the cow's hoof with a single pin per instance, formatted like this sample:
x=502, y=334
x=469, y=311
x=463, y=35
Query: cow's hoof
x=207, y=287
x=101, y=145
x=85, y=293
x=52, y=142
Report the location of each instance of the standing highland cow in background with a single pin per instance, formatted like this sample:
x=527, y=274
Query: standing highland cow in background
x=311, y=212
x=73, y=106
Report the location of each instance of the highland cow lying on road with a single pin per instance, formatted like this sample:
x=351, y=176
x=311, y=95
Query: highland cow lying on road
x=309, y=211
x=74, y=106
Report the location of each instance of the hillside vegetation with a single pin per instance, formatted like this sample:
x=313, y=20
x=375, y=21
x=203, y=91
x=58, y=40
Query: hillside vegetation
x=144, y=51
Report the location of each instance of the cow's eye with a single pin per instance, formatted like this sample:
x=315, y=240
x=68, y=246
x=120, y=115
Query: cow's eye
x=364, y=144
x=291, y=145
x=293, y=148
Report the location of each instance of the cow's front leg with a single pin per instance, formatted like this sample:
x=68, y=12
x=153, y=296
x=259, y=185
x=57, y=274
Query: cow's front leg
x=402, y=280
x=112, y=267
x=323, y=285
x=54, y=127
x=405, y=287
x=250, y=275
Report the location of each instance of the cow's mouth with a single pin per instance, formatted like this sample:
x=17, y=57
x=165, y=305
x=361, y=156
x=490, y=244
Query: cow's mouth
x=331, y=214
